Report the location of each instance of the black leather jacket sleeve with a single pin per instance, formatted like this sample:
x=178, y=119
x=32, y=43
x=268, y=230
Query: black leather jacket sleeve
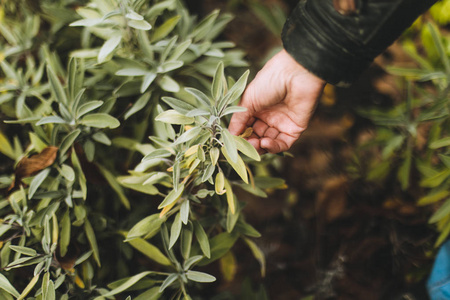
x=337, y=47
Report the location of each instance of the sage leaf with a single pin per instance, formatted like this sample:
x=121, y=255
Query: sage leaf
x=171, y=116
x=199, y=276
x=100, y=120
x=173, y=196
x=108, y=47
x=88, y=107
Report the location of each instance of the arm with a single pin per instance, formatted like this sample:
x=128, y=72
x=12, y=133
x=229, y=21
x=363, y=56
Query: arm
x=321, y=45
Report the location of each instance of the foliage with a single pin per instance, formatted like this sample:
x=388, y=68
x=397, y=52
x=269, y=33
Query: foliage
x=81, y=86
x=413, y=136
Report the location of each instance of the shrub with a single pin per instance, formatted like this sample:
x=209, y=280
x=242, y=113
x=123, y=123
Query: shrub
x=81, y=89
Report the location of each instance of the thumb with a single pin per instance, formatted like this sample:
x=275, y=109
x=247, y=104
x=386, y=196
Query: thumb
x=241, y=120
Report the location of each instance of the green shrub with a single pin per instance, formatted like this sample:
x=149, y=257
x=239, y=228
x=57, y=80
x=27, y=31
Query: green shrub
x=88, y=198
x=413, y=136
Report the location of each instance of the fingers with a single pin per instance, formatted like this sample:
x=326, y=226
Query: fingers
x=281, y=143
x=268, y=139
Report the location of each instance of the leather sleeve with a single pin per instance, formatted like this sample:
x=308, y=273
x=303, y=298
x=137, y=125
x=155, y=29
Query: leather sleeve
x=338, y=47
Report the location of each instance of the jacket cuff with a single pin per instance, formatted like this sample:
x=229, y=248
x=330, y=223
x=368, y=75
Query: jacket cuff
x=318, y=53
x=339, y=48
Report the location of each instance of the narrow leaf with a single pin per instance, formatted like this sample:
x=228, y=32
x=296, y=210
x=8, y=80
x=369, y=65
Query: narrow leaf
x=199, y=276
x=100, y=120
x=108, y=47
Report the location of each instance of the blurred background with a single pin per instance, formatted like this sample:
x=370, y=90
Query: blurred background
x=352, y=219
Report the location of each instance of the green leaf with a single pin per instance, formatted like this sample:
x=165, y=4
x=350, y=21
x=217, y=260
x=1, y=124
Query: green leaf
x=202, y=239
x=198, y=112
x=132, y=15
x=169, y=66
x=246, y=148
x=235, y=92
x=214, y=153
x=186, y=241
x=433, y=197
x=138, y=105
x=148, y=226
x=158, y=153
x=441, y=213
x=219, y=82
x=188, y=135
x=101, y=138
x=191, y=261
x=86, y=22
x=64, y=236
x=7, y=286
x=132, y=72
x=83, y=258
x=139, y=24
x=230, y=145
x=405, y=169
x=168, y=281
x=247, y=229
x=51, y=120
x=23, y=250
x=203, y=28
x=151, y=294
x=68, y=141
x=37, y=181
x=129, y=282
x=92, y=240
x=57, y=87
x=165, y=28
x=175, y=230
x=88, y=107
x=233, y=109
x=199, y=95
x=208, y=172
x=100, y=120
x=179, y=50
x=436, y=180
x=238, y=166
x=438, y=44
x=67, y=172
x=108, y=47
x=111, y=179
x=29, y=287
x=444, y=142
x=173, y=196
x=258, y=254
x=220, y=245
x=81, y=178
x=147, y=81
x=199, y=276
x=184, y=212
x=445, y=160
x=179, y=105
x=232, y=216
x=171, y=116
x=168, y=84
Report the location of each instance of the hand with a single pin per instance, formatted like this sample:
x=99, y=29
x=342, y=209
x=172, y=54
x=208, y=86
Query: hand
x=279, y=101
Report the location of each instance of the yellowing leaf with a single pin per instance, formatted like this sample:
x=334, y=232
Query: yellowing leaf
x=258, y=254
x=230, y=197
x=79, y=282
x=191, y=151
x=228, y=266
x=220, y=183
x=238, y=166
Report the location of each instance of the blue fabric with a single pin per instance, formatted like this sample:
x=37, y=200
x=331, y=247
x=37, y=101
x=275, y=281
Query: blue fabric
x=438, y=284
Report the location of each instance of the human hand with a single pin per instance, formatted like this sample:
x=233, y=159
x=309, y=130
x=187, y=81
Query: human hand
x=279, y=101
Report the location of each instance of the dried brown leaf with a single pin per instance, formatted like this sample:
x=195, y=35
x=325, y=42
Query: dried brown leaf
x=29, y=166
